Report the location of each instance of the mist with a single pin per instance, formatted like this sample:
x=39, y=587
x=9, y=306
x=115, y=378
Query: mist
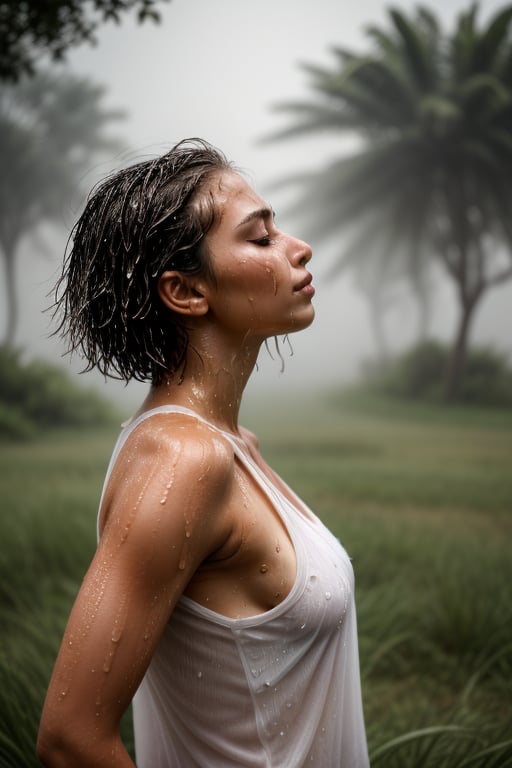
x=215, y=69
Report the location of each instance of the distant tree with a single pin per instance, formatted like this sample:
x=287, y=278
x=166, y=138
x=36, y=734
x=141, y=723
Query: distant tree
x=30, y=29
x=52, y=129
x=432, y=174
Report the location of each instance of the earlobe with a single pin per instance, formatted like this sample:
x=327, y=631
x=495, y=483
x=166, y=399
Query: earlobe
x=182, y=294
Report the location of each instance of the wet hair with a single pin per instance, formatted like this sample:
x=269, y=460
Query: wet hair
x=141, y=221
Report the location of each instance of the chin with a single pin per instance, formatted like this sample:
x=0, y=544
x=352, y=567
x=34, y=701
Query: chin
x=300, y=324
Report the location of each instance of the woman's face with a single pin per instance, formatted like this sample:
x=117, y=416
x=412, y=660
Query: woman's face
x=262, y=285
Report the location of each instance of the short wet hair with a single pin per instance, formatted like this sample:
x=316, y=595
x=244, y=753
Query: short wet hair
x=141, y=221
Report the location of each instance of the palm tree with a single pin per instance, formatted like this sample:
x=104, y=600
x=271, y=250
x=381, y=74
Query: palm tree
x=431, y=178
x=51, y=131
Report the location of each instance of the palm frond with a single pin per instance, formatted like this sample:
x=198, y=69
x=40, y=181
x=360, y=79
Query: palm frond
x=414, y=52
x=488, y=45
x=482, y=96
x=386, y=44
x=429, y=25
x=312, y=118
x=462, y=44
x=343, y=55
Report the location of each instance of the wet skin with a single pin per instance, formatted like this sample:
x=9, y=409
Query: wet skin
x=222, y=545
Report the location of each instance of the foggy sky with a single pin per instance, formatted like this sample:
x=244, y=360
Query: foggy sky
x=214, y=68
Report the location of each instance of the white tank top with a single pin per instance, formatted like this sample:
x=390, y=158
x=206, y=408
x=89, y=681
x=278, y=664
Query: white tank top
x=277, y=690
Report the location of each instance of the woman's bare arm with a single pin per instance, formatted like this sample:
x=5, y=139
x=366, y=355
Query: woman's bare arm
x=164, y=517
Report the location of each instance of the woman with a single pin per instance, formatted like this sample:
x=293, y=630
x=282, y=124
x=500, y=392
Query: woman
x=215, y=599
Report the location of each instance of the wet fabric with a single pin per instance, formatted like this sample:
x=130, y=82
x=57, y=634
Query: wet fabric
x=276, y=690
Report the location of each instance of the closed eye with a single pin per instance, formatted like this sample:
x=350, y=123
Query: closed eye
x=263, y=241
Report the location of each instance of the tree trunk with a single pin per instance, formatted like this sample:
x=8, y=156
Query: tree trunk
x=457, y=361
x=378, y=329
x=422, y=285
x=424, y=315
x=11, y=298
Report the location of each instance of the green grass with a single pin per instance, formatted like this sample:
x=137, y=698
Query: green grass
x=420, y=497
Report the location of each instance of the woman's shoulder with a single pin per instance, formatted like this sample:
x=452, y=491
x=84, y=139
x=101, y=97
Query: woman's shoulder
x=169, y=462
x=182, y=439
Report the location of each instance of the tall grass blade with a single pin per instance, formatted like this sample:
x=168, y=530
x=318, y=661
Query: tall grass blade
x=435, y=731
x=482, y=669
x=500, y=752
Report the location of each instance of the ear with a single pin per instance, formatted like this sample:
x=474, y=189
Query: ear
x=183, y=294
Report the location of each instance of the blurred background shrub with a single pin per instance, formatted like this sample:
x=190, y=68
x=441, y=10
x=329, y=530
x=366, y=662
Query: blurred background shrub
x=37, y=396
x=419, y=374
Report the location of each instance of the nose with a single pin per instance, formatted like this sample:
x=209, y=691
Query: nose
x=301, y=252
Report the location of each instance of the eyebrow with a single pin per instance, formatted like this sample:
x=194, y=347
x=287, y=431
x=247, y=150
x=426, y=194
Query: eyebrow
x=260, y=213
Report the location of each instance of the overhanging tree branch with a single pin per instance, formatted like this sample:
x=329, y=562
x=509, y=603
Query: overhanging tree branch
x=30, y=29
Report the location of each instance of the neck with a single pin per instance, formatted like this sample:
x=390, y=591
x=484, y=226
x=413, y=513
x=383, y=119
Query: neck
x=212, y=383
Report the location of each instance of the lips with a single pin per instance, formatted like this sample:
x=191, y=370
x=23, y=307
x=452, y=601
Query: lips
x=305, y=284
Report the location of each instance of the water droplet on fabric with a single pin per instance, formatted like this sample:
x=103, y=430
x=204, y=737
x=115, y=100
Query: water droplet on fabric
x=328, y=595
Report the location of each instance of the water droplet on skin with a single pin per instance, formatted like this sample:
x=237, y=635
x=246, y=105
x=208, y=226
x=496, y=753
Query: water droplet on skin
x=328, y=595
x=263, y=568
x=278, y=548
x=181, y=565
x=199, y=675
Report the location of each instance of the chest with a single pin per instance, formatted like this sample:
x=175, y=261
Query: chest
x=256, y=567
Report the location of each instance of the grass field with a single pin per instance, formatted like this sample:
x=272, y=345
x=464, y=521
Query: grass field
x=420, y=497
